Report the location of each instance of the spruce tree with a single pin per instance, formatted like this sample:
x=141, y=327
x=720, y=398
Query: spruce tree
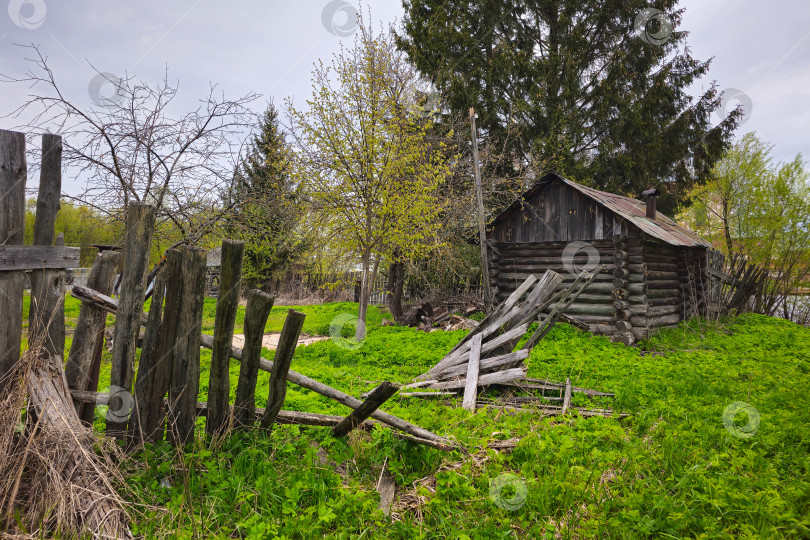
x=268, y=209
x=599, y=90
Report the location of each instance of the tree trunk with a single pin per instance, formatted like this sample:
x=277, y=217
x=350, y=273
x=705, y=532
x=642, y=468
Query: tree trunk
x=360, y=332
x=395, y=287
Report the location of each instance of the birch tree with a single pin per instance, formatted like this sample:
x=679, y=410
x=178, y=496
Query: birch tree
x=371, y=170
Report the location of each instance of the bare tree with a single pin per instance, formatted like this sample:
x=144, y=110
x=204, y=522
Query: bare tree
x=132, y=146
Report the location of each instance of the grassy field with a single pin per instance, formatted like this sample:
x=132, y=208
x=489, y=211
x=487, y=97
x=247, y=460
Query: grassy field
x=674, y=468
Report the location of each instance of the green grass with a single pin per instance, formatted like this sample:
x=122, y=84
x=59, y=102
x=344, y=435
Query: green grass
x=669, y=470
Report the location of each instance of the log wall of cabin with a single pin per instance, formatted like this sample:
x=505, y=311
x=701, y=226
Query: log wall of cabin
x=512, y=263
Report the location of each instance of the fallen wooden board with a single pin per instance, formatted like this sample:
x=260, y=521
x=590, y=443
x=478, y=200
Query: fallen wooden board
x=499, y=377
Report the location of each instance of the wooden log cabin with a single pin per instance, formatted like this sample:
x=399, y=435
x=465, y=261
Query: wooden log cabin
x=654, y=271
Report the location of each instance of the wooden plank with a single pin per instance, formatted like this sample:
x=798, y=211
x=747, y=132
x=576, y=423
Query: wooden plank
x=486, y=364
x=567, y=396
x=258, y=309
x=137, y=245
x=14, y=258
x=285, y=351
x=471, y=387
x=378, y=396
x=13, y=174
x=151, y=411
x=84, y=360
x=185, y=383
x=219, y=385
x=499, y=377
x=141, y=427
x=46, y=315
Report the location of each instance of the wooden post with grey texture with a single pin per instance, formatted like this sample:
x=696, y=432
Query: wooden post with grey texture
x=13, y=174
x=471, y=386
x=137, y=246
x=144, y=420
x=185, y=382
x=82, y=364
x=374, y=401
x=258, y=309
x=285, y=351
x=150, y=391
x=46, y=315
x=219, y=383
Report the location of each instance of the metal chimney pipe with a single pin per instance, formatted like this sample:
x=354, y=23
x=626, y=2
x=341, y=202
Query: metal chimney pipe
x=652, y=196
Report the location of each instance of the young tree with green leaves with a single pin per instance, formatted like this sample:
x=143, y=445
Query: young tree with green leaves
x=761, y=210
x=268, y=206
x=371, y=171
x=598, y=90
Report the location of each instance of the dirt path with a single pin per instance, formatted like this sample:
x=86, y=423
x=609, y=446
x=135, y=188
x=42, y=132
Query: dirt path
x=271, y=340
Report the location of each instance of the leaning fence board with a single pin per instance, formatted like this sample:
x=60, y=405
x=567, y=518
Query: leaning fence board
x=219, y=385
x=378, y=396
x=281, y=365
x=471, y=385
x=84, y=361
x=258, y=309
x=305, y=382
x=151, y=382
x=185, y=381
x=137, y=244
x=13, y=173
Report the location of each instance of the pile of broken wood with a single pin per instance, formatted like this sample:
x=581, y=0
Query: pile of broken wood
x=427, y=318
x=486, y=356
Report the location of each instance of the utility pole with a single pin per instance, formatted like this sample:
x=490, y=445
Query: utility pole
x=482, y=232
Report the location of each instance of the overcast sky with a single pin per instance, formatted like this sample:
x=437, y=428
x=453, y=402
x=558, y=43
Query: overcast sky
x=761, y=50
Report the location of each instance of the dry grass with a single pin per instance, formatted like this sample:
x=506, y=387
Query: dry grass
x=56, y=476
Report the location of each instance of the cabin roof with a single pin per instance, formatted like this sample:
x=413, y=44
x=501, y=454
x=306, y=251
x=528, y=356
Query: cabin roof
x=633, y=210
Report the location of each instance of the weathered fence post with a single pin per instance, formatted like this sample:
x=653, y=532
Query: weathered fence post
x=137, y=246
x=219, y=385
x=258, y=309
x=281, y=366
x=13, y=173
x=84, y=360
x=155, y=368
x=185, y=382
x=46, y=315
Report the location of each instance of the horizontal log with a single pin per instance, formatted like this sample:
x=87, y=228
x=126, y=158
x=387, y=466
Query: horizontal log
x=658, y=275
x=594, y=319
x=664, y=293
x=663, y=284
x=13, y=258
x=663, y=320
x=587, y=309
